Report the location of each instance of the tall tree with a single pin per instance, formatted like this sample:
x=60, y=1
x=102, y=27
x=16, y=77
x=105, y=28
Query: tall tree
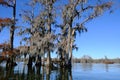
x=11, y=23
x=75, y=14
x=49, y=17
x=7, y=21
x=28, y=17
x=40, y=37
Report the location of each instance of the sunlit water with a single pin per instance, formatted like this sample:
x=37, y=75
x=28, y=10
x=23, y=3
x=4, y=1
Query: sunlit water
x=78, y=72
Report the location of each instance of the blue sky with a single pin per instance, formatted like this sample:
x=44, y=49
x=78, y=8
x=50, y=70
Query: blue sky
x=102, y=38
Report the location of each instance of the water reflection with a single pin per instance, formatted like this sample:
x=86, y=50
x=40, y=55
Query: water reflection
x=86, y=66
x=107, y=67
x=79, y=71
x=6, y=73
x=34, y=73
x=64, y=74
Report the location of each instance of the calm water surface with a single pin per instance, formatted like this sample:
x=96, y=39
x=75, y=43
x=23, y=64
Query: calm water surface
x=78, y=72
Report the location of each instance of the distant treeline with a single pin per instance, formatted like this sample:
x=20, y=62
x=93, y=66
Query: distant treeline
x=80, y=60
x=84, y=59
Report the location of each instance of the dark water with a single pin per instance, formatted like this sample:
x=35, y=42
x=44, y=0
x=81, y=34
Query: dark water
x=78, y=72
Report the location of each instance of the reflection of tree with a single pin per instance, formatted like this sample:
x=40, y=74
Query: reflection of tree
x=107, y=67
x=86, y=66
x=70, y=75
x=64, y=74
x=38, y=70
x=30, y=73
x=8, y=73
x=38, y=74
x=35, y=73
x=1, y=74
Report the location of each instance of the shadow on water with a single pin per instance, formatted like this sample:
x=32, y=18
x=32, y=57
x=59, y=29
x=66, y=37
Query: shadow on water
x=34, y=73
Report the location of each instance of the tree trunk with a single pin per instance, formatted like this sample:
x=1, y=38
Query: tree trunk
x=11, y=37
x=11, y=45
x=48, y=59
x=8, y=62
x=38, y=60
x=49, y=32
x=70, y=56
x=67, y=60
x=30, y=61
x=70, y=75
x=12, y=29
x=62, y=60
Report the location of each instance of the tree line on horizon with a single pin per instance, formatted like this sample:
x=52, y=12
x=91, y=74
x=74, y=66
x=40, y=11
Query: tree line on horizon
x=52, y=26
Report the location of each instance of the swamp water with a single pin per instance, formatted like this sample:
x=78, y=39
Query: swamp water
x=78, y=72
